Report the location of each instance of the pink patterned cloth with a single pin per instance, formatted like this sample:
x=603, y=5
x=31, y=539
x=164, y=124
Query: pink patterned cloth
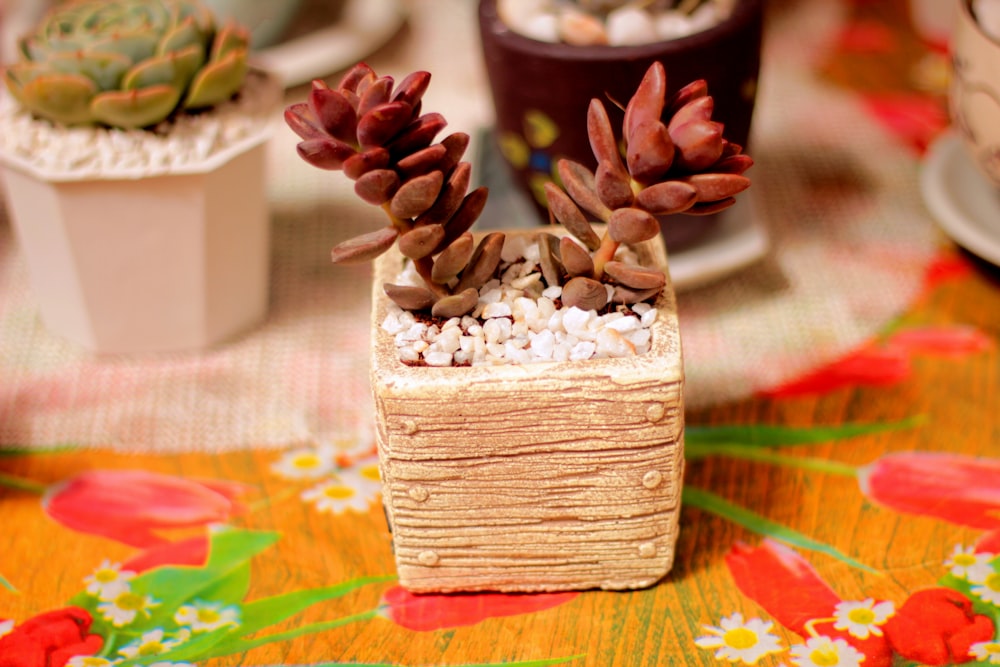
x=838, y=195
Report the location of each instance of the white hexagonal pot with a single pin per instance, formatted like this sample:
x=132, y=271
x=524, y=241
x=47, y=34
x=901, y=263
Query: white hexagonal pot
x=535, y=477
x=131, y=259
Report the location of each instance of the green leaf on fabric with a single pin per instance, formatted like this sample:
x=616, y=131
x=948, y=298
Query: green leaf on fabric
x=238, y=645
x=696, y=437
x=6, y=584
x=713, y=504
x=231, y=589
x=30, y=451
x=229, y=550
x=263, y=613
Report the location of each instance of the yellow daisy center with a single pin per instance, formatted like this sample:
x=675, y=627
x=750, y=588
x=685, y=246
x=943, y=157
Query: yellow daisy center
x=370, y=472
x=106, y=575
x=338, y=492
x=129, y=602
x=306, y=461
x=964, y=560
x=993, y=582
x=740, y=638
x=151, y=648
x=94, y=662
x=825, y=657
x=208, y=616
x=862, y=616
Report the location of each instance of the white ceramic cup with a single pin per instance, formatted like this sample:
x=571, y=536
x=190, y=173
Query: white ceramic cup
x=974, y=93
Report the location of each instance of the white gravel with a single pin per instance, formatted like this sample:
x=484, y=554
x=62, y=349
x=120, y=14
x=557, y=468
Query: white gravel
x=517, y=321
x=629, y=24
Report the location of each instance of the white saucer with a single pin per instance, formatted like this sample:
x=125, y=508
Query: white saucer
x=364, y=27
x=964, y=203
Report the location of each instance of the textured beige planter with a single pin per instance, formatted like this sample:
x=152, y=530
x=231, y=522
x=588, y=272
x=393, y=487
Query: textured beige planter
x=157, y=258
x=537, y=477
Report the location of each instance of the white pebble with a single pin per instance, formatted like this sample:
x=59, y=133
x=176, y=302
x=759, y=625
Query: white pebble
x=641, y=308
x=672, y=25
x=576, y=320
x=628, y=26
x=542, y=344
x=499, y=309
x=704, y=17
x=625, y=324
x=648, y=317
x=543, y=27
x=610, y=343
x=525, y=282
x=391, y=324
x=583, y=350
x=438, y=359
x=490, y=296
x=639, y=338
x=497, y=330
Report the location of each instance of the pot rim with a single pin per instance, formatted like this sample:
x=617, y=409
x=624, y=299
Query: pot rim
x=490, y=23
x=388, y=373
x=258, y=133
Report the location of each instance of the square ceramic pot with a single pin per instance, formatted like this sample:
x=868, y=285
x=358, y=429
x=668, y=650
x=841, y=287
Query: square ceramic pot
x=163, y=260
x=535, y=477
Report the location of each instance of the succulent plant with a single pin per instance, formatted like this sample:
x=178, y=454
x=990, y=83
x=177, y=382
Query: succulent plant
x=676, y=161
x=373, y=130
x=127, y=63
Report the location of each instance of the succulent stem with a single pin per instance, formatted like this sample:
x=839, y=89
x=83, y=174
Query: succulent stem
x=424, y=268
x=604, y=254
x=425, y=265
x=399, y=223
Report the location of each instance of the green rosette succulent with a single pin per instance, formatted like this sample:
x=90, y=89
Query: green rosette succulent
x=127, y=63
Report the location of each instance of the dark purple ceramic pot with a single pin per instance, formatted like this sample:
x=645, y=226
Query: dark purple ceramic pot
x=541, y=90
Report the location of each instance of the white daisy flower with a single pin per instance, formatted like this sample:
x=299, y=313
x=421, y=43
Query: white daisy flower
x=988, y=589
x=862, y=619
x=124, y=607
x=6, y=627
x=351, y=490
x=738, y=641
x=366, y=475
x=202, y=616
x=965, y=563
x=986, y=652
x=150, y=644
x=108, y=581
x=307, y=462
x=826, y=652
x=88, y=661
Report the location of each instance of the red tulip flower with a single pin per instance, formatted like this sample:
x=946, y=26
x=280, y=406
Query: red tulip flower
x=963, y=490
x=936, y=626
x=49, y=639
x=131, y=505
x=789, y=589
x=192, y=552
x=438, y=611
